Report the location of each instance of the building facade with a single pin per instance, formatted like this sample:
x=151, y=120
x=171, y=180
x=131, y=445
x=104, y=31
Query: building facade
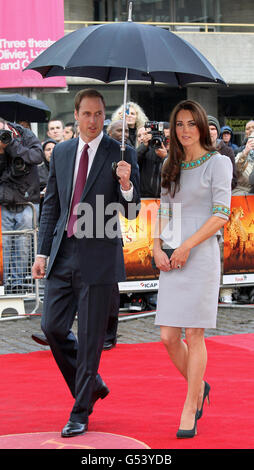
x=220, y=29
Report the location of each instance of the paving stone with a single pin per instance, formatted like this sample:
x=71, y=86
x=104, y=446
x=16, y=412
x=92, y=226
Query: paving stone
x=15, y=334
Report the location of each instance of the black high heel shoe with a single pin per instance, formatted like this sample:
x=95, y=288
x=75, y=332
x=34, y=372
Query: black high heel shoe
x=205, y=396
x=187, y=433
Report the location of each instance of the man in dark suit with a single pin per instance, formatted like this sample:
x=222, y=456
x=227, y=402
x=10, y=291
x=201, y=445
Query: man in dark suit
x=85, y=250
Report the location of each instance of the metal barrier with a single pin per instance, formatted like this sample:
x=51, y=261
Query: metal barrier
x=19, y=248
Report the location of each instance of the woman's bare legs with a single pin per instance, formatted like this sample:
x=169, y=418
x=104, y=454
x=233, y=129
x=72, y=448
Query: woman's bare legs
x=190, y=359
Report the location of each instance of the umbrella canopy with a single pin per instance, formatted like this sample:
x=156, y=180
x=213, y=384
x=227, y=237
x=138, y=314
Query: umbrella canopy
x=15, y=107
x=105, y=52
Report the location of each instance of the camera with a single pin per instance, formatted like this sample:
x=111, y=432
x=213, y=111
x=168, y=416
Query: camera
x=157, y=131
x=19, y=167
x=5, y=136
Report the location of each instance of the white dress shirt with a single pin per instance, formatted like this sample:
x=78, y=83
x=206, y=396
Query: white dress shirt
x=93, y=147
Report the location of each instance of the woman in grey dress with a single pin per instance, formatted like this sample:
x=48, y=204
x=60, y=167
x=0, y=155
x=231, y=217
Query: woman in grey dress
x=196, y=180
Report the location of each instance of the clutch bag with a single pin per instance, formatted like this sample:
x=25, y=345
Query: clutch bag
x=168, y=251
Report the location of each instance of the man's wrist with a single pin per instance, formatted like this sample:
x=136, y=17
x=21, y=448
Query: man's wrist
x=124, y=188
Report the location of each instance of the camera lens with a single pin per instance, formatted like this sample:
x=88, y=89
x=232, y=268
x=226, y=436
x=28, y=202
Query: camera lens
x=19, y=164
x=6, y=137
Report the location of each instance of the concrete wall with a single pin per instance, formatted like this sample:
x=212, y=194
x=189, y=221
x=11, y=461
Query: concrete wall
x=231, y=54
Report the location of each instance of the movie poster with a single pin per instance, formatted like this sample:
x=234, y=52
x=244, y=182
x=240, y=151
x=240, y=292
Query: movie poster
x=239, y=242
x=138, y=243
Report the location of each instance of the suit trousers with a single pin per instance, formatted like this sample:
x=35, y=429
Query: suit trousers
x=111, y=332
x=67, y=295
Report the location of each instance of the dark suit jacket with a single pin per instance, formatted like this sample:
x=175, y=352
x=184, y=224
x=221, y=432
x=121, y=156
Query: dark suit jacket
x=101, y=257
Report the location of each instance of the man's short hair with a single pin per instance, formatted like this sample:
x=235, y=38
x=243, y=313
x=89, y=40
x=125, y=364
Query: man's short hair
x=87, y=93
x=56, y=119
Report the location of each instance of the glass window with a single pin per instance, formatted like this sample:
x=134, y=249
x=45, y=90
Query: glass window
x=199, y=11
x=157, y=10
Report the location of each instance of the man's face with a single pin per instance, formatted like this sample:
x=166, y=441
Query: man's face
x=90, y=116
x=117, y=131
x=226, y=137
x=213, y=133
x=68, y=133
x=48, y=149
x=55, y=130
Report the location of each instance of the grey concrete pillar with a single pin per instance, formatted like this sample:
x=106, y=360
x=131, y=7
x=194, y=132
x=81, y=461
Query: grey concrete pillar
x=206, y=96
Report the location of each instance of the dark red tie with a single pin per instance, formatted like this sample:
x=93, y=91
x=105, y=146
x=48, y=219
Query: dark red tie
x=79, y=187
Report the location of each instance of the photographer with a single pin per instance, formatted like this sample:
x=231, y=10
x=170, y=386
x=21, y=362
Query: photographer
x=245, y=165
x=20, y=152
x=151, y=154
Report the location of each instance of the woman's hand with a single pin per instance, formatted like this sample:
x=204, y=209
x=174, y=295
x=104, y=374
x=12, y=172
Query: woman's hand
x=179, y=257
x=161, y=260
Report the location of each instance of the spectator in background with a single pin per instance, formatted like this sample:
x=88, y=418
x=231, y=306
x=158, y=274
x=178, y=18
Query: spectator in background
x=55, y=130
x=249, y=128
x=150, y=161
x=135, y=118
x=19, y=185
x=245, y=165
x=227, y=136
x=25, y=124
x=43, y=168
x=69, y=131
x=220, y=145
x=141, y=135
x=76, y=129
x=115, y=130
x=251, y=182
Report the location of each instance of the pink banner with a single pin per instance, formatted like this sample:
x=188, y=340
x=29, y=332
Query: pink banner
x=27, y=28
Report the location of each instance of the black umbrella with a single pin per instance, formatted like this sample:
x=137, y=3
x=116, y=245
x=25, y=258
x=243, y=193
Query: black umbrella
x=126, y=51
x=15, y=107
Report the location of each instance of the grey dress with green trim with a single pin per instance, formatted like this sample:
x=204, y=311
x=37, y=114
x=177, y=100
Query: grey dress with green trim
x=188, y=297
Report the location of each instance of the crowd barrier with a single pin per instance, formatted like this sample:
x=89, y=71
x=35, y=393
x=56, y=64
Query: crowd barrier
x=18, y=286
x=237, y=265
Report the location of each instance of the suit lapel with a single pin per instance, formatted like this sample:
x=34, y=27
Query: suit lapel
x=68, y=165
x=98, y=162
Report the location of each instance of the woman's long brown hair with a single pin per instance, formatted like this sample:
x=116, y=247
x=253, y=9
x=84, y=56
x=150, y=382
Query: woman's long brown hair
x=171, y=170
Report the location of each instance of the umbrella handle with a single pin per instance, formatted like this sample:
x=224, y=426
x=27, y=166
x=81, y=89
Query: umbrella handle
x=124, y=114
x=114, y=164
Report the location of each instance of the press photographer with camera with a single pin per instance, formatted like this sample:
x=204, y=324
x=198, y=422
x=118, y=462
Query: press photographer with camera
x=20, y=153
x=151, y=154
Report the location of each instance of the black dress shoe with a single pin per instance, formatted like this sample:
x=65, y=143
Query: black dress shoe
x=101, y=393
x=108, y=345
x=41, y=339
x=72, y=429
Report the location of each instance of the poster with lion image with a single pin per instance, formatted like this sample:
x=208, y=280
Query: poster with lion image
x=138, y=242
x=239, y=238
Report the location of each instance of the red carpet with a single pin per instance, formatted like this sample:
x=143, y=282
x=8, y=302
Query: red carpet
x=146, y=396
